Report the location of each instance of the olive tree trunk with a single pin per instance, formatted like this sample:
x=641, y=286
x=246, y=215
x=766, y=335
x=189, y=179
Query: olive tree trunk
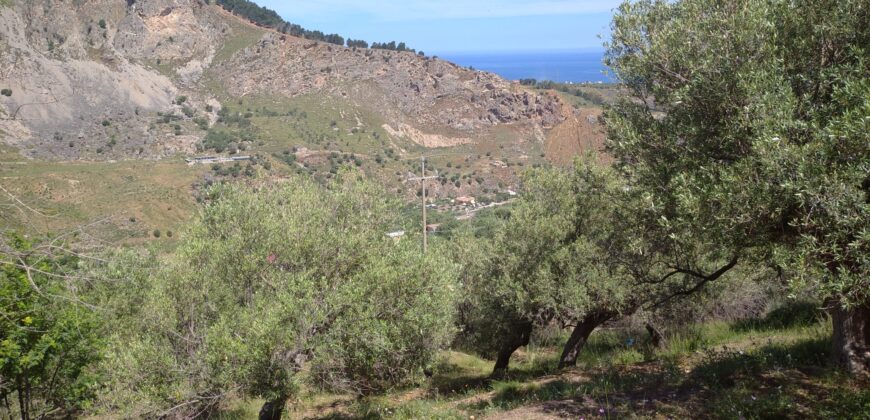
x=656, y=337
x=273, y=409
x=851, y=338
x=520, y=334
x=580, y=336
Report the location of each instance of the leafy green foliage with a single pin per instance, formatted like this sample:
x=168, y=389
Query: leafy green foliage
x=218, y=140
x=357, y=43
x=757, y=144
x=268, y=284
x=392, y=46
x=47, y=343
x=544, y=263
x=572, y=253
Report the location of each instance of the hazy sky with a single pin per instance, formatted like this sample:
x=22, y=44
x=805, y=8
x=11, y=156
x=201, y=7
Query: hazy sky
x=445, y=26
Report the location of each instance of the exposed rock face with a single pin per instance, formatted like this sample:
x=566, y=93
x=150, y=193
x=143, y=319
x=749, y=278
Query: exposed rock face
x=425, y=92
x=75, y=70
x=89, y=77
x=425, y=140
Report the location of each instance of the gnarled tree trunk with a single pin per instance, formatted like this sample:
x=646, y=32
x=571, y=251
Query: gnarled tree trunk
x=521, y=333
x=274, y=409
x=656, y=337
x=851, y=341
x=580, y=335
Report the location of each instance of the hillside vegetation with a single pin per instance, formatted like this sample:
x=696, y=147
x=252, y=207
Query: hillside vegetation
x=165, y=79
x=692, y=243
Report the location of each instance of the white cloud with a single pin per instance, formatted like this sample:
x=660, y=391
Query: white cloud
x=398, y=10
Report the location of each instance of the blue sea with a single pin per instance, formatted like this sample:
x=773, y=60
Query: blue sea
x=558, y=66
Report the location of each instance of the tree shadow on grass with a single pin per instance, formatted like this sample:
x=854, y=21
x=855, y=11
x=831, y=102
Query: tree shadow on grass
x=773, y=381
x=614, y=391
x=787, y=316
x=780, y=381
x=725, y=366
x=452, y=379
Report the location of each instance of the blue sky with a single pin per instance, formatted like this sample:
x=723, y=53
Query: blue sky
x=451, y=26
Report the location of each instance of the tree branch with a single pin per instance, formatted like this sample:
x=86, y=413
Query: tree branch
x=704, y=279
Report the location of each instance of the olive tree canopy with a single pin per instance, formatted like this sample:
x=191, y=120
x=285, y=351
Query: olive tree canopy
x=748, y=125
x=278, y=286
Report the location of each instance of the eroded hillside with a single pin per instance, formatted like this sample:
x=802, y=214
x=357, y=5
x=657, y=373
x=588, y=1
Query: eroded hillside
x=89, y=78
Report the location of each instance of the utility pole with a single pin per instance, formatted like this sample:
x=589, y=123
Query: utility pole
x=423, y=179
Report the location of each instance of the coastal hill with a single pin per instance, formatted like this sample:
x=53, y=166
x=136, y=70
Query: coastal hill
x=105, y=81
x=74, y=65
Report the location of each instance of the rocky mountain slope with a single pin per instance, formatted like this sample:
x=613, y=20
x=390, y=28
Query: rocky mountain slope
x=90, y=79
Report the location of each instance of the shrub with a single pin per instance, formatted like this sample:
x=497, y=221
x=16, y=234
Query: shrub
x=47, y=343
x=6, y=92
x=202, y=123
x=334, y=317
x=218, y=140
x=156, y=233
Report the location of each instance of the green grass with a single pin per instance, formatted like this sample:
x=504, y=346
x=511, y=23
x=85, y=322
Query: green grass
x=772, y=367
x=317, y=123
x=241, y=37
x=135, y=196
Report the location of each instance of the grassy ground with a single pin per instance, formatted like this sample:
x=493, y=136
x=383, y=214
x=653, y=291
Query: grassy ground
x=243, y=36
x=776, y=367
x=134, y=198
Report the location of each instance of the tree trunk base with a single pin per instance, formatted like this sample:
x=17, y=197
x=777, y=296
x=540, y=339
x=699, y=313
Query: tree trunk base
x=851, y=338
x=520, y=336
x=273, y=410
x=580, y=336
x=656, y=337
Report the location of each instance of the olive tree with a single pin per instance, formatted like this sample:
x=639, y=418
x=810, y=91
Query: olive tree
x=573, y=253
x=274, y=287
x=747, y=124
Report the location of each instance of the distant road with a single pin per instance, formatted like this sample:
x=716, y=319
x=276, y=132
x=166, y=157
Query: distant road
x=470, y=213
